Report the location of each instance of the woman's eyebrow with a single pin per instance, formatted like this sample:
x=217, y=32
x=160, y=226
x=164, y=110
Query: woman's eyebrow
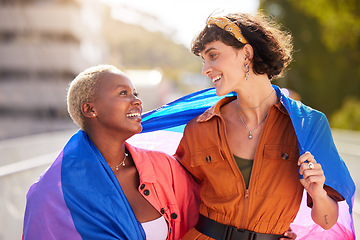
x=208, y=50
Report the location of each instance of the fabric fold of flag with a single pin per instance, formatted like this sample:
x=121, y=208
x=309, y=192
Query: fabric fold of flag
x=177, y=114
x=80, y=199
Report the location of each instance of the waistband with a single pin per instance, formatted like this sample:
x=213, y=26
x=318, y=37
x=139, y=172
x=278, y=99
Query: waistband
x=221, y=231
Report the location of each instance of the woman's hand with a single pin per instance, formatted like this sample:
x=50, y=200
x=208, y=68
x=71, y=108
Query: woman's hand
x=289, y=234
x=313, y=175
x=325, y=210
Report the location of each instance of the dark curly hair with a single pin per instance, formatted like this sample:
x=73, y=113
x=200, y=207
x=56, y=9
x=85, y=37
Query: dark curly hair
x=272, y=46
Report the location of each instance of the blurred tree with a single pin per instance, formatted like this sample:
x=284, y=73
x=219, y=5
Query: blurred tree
x=348, y=117
x=134, y=47
x=340, y=21
x=324, y=72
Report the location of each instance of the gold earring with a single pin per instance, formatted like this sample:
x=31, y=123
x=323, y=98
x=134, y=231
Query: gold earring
x=246, y=69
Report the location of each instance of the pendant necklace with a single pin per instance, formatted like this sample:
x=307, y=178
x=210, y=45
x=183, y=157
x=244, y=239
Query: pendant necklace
x=122, y=163
x=242, y=120
x=250, y=131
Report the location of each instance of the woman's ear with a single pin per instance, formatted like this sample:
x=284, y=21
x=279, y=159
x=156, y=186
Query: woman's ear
x=88, y=110
x=248, y=52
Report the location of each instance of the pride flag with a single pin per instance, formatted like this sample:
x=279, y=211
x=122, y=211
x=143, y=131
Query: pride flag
x=79, y=197
x=67, y=188
x=163, y=129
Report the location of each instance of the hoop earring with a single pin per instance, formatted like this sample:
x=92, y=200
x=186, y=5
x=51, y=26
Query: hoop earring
x=246, y=70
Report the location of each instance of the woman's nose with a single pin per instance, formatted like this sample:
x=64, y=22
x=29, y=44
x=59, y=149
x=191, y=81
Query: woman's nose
x=206, y=69
x=137, y=101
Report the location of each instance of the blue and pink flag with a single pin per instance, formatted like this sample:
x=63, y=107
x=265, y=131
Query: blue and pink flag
x=80, y=198
x=163, y=129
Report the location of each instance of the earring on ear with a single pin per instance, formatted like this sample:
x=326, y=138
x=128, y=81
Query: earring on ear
x=94, y=114
x=246, y=70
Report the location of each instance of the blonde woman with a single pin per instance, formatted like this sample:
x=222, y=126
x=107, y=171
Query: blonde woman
x=101, y=187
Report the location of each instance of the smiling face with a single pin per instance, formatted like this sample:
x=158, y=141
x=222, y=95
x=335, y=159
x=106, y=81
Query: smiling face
x=117, y=107
x=223, y=64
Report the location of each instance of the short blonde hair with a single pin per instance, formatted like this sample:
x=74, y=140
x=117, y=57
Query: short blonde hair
x=83, y=89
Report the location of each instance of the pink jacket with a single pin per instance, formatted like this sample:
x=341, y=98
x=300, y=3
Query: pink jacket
x=169, y=188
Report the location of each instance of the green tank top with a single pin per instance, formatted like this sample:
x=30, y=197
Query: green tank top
x=245, y=166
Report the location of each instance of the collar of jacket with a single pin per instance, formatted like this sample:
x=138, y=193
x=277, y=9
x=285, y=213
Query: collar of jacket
x=143, y=164
x=215, y=109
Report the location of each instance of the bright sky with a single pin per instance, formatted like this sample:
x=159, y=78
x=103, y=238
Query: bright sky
x=182, y=18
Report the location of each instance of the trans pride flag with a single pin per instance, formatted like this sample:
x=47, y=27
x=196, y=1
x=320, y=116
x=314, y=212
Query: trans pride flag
x=163, y=128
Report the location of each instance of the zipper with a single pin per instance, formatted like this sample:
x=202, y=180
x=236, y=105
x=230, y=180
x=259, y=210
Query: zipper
x=244, y=218
x=245, y=207
x=237, y=173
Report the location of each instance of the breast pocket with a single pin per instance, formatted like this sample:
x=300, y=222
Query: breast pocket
x=278, y=175
x=215, y=174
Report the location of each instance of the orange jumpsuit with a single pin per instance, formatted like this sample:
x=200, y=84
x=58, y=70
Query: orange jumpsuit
x=273, y=197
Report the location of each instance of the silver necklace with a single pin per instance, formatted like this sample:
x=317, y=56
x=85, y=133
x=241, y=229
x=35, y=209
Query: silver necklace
x=250, y=131
x=122, y=163
x=259, y=104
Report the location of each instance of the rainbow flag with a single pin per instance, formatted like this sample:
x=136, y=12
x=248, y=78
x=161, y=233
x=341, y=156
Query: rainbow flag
x=163, y=128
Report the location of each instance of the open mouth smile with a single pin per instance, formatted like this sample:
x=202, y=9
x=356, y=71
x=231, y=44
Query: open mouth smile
x=133, y=115
x=215, y=79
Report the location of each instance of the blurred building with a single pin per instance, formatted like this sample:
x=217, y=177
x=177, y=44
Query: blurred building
x=149, y=84
x=43, y=45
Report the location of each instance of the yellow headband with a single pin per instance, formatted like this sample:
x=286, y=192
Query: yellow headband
x=228, y=26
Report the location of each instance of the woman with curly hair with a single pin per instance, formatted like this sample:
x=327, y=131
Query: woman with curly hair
x=243, y=150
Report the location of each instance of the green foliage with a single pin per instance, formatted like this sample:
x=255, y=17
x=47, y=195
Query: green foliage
x=348, y=117
x=322, y=75
x=340, y=20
